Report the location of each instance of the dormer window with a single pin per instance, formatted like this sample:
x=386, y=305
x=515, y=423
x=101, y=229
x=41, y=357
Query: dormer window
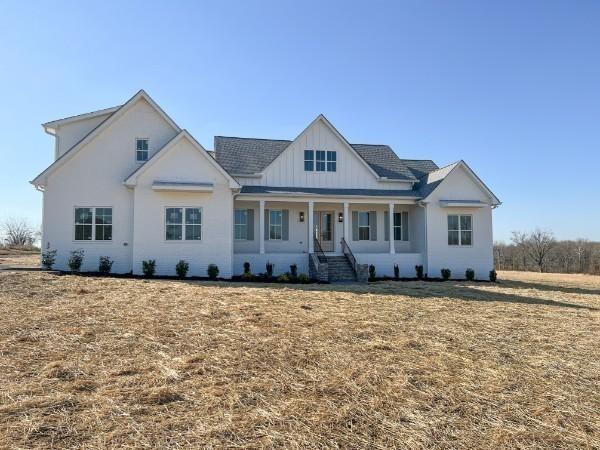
x=326, y=161
x=141, y=149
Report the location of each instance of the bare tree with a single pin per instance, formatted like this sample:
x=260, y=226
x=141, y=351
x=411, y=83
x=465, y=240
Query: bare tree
x=539, y=245
x=519, y=239
x=18, y=233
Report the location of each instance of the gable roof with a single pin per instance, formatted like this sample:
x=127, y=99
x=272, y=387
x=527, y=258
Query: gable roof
x=131, y=180
x=113, y=117
x=249, y=156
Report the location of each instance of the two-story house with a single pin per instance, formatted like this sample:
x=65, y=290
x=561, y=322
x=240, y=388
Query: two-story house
x=128, y=183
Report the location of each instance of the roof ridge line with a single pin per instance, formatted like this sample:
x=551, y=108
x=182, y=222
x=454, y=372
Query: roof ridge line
x=256, y=139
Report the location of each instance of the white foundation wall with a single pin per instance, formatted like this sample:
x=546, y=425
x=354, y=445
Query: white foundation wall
x=281, y=262
x=458, y=185
x=183, y=163
x=94, y=178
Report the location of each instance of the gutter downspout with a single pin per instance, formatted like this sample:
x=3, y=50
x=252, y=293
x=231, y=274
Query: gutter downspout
x=423, y=205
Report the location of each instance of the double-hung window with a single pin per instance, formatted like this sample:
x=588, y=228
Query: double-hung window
x=141, y=149
x=241, y=224
x=398, y=226
x=93, y=224
x=183, y=224
x=321, y=161
x=364, y=226
x=331, y=161
x=309, y=160
x=275, y=224
x=460, y=229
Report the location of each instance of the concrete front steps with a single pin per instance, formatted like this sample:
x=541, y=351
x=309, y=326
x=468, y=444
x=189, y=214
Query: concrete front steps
x=340, y=269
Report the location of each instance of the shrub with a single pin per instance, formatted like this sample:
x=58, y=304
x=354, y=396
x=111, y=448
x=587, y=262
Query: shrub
x=372, y=273
x=493, y=276
x=284, y=278
x=303, y=278
x=212, y=271
x=396, y=271
x=294, y=270
x=246, y=267
x=247, y=276
x=48, y=258
x=419, y=271
x=269, y=267
x=470, y=274
x=75, y=260
x=182, y=268
x=149, y=267
x=446, y=274
x=105, y=265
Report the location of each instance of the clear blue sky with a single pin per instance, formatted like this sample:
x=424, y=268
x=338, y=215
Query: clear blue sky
x=513, y=88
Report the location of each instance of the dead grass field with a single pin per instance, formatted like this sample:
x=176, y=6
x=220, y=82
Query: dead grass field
x=105, y=363
x=11, y=257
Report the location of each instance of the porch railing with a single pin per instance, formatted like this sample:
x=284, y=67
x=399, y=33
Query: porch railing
x=319, y=251
x=349, y=255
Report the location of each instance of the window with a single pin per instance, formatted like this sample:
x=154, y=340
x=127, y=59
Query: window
x=331, y=161
x=241, y=224
x=364, y=227
x=321, y=161
x=398, y=226
x=275, y=224
x=175, y=227
x=460, y=229
x=86, y=218
x=309, y=160
x=141, y=150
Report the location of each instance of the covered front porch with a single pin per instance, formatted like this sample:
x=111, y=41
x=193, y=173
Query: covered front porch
x=286, y=230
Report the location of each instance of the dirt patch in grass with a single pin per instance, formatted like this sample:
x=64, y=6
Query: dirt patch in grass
x=105, y=362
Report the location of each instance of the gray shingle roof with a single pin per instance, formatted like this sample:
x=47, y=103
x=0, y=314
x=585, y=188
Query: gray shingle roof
x=328, y=191
x=248, y=156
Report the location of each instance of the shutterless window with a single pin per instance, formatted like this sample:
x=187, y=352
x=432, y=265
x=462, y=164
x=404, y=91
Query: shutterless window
x=275, y=224
x=460, y=229
x=364, y=227
x=141, y=149
x=309, y=160
x=93, y=224
x=183, y=223
x=241, y=224
x=321, y=161
x=331, y=161
x=397, y=226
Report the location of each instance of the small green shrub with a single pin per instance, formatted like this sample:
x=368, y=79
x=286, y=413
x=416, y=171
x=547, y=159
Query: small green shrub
x=105, y=265
x=269, y=267
x=372, y=273
x=293, y=270
x=149, y=267
x=419, y=271
x=212, y=271
x=48, y=258
x=396, y=271
x=75, y=260
x=283, y=278
x=246, y=267
x=303, y=278
x=247, y=276
x=493, y=276
x=470, y=274
x=182, y=268
x=446, y=274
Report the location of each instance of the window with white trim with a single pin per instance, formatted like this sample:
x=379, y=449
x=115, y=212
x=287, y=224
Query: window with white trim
x=320, y=166
x=320, y=161
x=364, y=226
x=309, y=160
x=240, y=224
x=141, y=149
x=275, y=224
x=93, y=224
x=460, y=229
x=183, y=224
x=398, y=226
x=331, y=161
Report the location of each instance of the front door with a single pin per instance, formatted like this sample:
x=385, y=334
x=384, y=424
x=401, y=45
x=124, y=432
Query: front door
x=323, y=222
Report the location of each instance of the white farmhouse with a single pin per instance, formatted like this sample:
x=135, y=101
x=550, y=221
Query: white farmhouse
x=129, y=184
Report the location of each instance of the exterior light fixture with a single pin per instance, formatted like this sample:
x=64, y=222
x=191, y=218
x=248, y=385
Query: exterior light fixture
x=341, y=217
x=301, y=217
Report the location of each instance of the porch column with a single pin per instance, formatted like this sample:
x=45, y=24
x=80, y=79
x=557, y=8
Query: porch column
x=346, y=221
x=261, y=226
x=311, y=244
x=391, y=231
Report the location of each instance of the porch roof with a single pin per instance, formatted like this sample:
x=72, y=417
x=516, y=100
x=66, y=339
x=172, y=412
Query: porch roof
x=328, y=191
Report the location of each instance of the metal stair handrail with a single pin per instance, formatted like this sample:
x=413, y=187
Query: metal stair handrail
x=349, y=255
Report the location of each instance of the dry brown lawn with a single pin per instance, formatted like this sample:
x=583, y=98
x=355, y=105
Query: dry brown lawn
x=11, y=257
x=105, y=363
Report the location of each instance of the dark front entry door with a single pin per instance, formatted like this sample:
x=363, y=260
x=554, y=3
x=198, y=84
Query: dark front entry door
x=323, y=223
